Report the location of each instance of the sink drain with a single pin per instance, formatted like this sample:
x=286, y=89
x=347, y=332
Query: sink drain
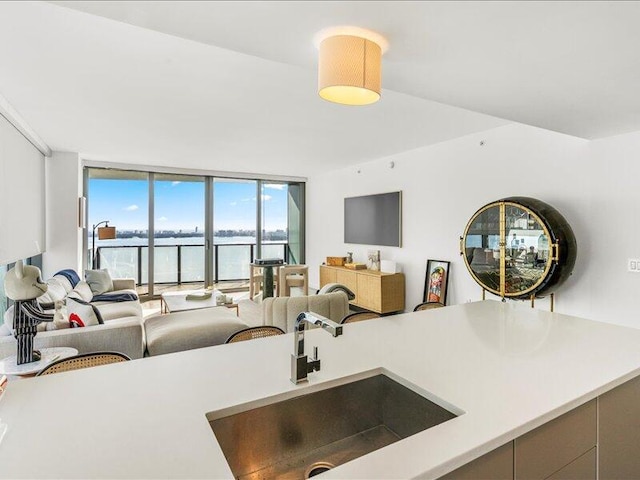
x=318, y=468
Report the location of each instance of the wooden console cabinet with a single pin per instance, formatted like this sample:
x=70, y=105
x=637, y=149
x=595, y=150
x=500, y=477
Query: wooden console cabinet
x=375, y=291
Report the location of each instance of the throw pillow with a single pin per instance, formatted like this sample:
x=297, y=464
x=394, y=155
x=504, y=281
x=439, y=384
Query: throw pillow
x=81, y=292
x=85, y=312
x=63, y=282
x=55, y=292
x=99, y=280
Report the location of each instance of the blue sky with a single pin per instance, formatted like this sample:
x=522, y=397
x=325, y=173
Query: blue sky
x=180, y=205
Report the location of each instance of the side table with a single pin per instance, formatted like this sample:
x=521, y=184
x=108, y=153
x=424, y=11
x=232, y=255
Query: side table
x=8, y=365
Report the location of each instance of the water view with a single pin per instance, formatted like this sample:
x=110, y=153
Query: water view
x=178, y=210
x=181, y=260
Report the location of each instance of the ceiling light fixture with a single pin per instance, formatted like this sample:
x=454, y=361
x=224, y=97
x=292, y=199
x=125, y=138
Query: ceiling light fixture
x=350, y=65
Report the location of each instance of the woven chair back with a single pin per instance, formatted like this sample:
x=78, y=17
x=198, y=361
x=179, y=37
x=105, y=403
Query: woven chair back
x=85, y=360
x=428, y=306
x=253, y=333
x=359, y=316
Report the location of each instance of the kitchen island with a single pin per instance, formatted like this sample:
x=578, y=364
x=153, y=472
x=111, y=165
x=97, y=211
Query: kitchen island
x=505, y=369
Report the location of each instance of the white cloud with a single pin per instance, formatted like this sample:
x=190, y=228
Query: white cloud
x=163, y=219
x=264, y=198
x=275, y=186
x=131, y=208
x=173, y=184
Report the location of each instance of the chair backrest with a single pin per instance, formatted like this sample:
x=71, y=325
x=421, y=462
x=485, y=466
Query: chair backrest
x=296, y=275
x=337, y=287
x=283, y=311
x=84, y=360
x=428, y=306
x=359, y=316
x=254, y=332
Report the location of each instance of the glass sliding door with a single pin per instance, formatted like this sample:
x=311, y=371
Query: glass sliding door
x=234, y=228
x=121, y=198
x=179, y=232
x=274, y=219
x=295, y=223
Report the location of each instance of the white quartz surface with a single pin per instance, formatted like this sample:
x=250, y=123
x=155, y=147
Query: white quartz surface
x=508, y=368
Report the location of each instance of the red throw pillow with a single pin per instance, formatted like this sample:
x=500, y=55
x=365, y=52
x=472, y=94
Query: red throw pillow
x=75, y=321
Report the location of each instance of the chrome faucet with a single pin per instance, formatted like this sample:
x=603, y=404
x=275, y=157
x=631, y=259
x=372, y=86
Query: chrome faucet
x=300, y=365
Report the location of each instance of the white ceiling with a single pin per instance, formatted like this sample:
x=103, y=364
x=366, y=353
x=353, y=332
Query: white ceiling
x=231, y=85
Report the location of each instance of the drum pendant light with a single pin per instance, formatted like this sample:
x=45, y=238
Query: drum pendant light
x=349, y=66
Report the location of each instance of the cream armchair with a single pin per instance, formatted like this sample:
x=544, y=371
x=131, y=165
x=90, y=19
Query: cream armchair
x=282, y=311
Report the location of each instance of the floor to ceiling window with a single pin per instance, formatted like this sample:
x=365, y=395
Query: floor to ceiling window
x=234, y=227
x=274, y=220
x=184, y=231
x=120, y=198
x=295, y=223
x=179, y=231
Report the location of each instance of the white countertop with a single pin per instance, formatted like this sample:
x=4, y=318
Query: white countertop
x=509, y=368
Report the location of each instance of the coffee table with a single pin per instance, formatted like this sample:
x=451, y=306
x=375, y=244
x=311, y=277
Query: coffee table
x=172, y=302
x=8, y=365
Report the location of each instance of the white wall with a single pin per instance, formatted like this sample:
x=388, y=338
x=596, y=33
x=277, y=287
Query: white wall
x=64, y=238
x=22, y=196
x=593, y=184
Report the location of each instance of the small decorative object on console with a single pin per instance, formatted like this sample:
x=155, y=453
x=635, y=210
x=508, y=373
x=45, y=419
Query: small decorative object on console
x=373, y=259
x=355, y=266
x=337, y=261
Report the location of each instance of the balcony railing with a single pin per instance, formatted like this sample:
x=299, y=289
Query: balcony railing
x=178, y=264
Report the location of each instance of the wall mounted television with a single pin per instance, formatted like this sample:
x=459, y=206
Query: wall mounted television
x=374, y=219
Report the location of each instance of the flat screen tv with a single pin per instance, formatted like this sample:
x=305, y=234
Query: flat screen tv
x=374, y=219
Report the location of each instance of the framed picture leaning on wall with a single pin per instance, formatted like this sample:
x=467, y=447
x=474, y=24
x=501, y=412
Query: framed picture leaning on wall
x=436, y=281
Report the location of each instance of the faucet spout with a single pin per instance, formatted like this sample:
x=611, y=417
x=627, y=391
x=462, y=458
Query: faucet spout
x=300, y=367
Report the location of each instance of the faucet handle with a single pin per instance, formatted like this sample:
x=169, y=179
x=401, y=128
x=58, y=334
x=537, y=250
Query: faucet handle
x=314, y=364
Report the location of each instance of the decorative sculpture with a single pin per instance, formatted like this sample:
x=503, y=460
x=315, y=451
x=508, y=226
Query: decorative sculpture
x=23, y=284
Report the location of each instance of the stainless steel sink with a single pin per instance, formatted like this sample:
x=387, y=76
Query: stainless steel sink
x=295, y=438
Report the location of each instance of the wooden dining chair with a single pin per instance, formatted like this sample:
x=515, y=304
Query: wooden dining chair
x=293, y=276
x=359, y=316
x=252, y=333
x=428, y=306
x=85, y=360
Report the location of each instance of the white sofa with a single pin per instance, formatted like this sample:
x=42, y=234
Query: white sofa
x=122, y=330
